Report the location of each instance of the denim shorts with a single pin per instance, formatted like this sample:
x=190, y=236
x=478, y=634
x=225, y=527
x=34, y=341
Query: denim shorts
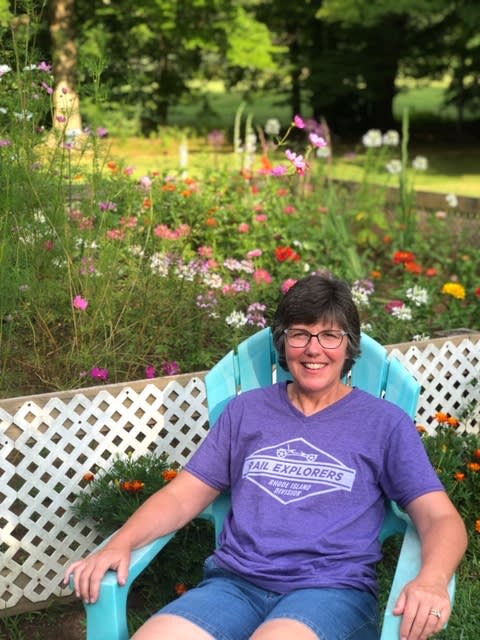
x=229, y=607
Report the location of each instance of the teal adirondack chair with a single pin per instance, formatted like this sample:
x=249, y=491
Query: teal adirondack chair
x=255, y=365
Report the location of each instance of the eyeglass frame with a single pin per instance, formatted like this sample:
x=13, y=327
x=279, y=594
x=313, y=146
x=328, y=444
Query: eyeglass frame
x=315, y=335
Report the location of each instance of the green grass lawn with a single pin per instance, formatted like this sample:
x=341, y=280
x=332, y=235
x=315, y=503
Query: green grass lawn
x=453, y=168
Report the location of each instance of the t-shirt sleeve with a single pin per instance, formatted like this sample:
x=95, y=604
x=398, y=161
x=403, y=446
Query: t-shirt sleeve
x=211, y=461
x=407, y=471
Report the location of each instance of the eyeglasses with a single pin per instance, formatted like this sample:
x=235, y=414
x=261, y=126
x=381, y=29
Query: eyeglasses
x=300, y=338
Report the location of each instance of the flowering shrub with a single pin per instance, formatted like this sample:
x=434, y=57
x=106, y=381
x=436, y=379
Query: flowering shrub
x=110, y=277
x=109, y=496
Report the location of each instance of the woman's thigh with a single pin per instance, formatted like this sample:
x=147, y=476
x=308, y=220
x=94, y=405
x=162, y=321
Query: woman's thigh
x=332, y=614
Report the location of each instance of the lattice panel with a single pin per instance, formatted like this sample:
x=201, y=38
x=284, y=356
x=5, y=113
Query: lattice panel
x=450, y=377
x=46, y=451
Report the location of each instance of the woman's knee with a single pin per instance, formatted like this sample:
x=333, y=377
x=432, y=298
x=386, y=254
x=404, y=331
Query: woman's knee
x=284, y=629
x=170, y=627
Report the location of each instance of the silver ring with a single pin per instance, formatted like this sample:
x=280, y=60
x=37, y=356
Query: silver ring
x=436, y=613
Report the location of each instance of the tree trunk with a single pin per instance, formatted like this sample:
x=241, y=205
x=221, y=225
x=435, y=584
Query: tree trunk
x=66, y=102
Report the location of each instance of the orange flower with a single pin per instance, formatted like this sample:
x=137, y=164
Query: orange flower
x=453, y=422
x=169, y=187
x=169, y=474
x=266, y=164
x=421, y=428
x=441, y=417
x=132, y=486
x=147, y=203
x=413, y=267
x=431, y=272
x=477, y=526
x=180, y=588
x=376, y=274
x=89, y=476
x=476, y=454
x=459, y=476
x=186, y=193
x=211, y=222
x=113, y=166
x=474, y=466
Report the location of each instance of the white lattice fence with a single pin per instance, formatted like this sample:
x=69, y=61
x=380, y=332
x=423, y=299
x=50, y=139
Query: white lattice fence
x=449, y=371
x=49, y=442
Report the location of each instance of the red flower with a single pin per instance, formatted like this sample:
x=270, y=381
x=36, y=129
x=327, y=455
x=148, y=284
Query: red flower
x=413, y=267
x=402, y=257
x=286, y=253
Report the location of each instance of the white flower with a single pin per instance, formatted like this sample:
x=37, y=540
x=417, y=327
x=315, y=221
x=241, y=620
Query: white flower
x=4, y=68
x=402, y=313
x=366, y=327
x=360, y=297
x=322, y=152
x=394, y=167
x=420, y=163
x=272, y=127
x=23, y=115
x=373, y=138
x=250, y=143
x=3, y=110
x=452, y=200
x=420, y=337
x=391, y=138
x=418, y=295
x=236, y=319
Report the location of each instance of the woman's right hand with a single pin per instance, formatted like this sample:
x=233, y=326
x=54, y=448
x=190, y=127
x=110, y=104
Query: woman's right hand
x=88, y=573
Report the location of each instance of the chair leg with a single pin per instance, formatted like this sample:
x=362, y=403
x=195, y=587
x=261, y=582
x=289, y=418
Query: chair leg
x=107, y=618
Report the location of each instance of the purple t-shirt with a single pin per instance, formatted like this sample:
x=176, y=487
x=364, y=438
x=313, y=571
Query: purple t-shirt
x=308, y=492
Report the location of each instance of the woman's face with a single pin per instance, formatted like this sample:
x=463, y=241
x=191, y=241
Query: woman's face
x=313, y=367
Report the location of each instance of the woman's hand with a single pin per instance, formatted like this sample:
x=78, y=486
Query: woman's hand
x=425, y=609
x=88, y=573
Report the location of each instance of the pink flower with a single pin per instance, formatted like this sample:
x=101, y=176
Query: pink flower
x=205, y=252
x=278, y=171
x=244, y=227
x=289, y=209
x=99, y=374
x=80, y=303
x=288, y=283
x=298, y=122
x=297, y=160
x=44, y=66
x=102, y=132
x=145, y=183
x=317, y=141
x=150, y=371
x=261, y=217
x=170, y=368
x=61, y=119
x=4, y=142
x=393, y=304
x=254, y=253
x=262, y=276
x=128, y=171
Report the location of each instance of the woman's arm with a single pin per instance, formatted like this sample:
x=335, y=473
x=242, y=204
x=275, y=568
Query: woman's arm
x=165, y=511
x=424, y=602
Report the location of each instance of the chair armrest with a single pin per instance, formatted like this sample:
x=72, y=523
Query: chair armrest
x=107, y=618
x=408, y=566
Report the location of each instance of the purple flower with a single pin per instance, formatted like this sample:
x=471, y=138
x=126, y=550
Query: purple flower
x=150, y=371
x=44, y=66
x=4, y=142
x=102, y=132
x=107, y=206
x=99, y=374
x=47, y=88
x=170, y=368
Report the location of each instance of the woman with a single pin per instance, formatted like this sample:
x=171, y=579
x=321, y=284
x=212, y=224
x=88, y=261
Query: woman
x=309, y=464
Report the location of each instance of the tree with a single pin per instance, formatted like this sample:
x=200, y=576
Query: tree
x=64, y=49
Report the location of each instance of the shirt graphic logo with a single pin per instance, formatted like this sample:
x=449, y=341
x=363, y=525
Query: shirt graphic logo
x=295, y=470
